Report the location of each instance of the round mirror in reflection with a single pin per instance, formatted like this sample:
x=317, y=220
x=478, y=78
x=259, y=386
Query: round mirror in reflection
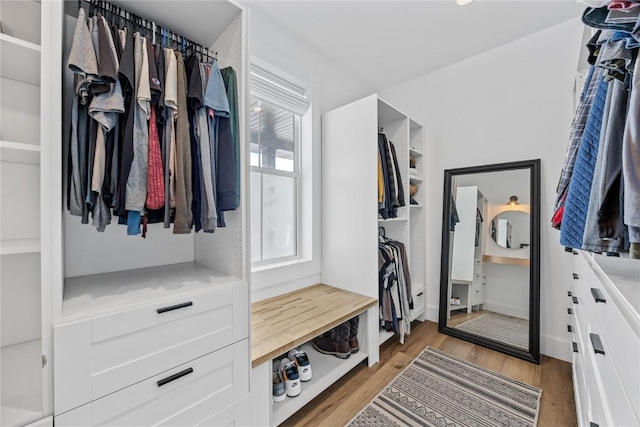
x=510, y=229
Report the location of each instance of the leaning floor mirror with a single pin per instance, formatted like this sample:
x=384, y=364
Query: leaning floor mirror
x=490, y=271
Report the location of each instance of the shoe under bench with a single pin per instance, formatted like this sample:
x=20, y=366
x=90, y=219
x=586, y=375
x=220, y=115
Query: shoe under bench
x=292, y=320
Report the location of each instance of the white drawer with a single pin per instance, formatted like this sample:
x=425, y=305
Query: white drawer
x=419, y=303
x=236, y=414
x=621, y=341
x=216, y=381
x=98, y=356
x=580, y=391
x=612, y=404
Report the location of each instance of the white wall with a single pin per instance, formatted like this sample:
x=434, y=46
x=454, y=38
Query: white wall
x=507, y=289
x=512, y=103
x=332, y=87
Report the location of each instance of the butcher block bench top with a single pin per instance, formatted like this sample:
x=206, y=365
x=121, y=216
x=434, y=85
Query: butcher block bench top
x=281, y=323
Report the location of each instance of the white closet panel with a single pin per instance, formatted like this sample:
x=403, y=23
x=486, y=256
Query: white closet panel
x=20, y=317
x=20, y=198
x=350, y=197
x=20, y=105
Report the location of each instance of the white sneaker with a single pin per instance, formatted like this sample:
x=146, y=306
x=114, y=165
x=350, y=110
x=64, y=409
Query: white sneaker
x=300, y=358
x=290, y=376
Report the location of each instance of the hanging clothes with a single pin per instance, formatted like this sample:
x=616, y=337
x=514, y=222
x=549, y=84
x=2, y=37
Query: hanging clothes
x=154, y=130
x=394, y=284
x=392, y=196
x=596, y=205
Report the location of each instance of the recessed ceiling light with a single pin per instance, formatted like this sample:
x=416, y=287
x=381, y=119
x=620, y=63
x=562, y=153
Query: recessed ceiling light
x=463, y=2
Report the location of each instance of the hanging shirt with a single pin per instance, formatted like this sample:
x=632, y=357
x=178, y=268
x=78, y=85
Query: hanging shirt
x=184, y=219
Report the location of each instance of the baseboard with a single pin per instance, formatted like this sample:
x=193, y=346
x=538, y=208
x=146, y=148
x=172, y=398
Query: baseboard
x=432, y=313
x=555, y=347
x=508, y=310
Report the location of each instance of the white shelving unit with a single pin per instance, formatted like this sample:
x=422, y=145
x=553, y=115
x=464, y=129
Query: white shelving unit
x=26, y=69
x=26, y=395
x=467, y=270
x=326, y=370
x=52, y=264
x=350, y=208
x=18, y=152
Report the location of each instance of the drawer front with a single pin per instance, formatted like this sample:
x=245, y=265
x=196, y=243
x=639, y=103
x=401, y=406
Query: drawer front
x=98, y=356
x=419, y=303
x=621, y=341
x=186, y=395
x=478, y=292
x=579, y=276
x=237, y=414
x=580, y=391
x=611, y=402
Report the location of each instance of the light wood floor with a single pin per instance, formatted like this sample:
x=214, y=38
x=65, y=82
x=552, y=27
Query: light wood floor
x=344, y=399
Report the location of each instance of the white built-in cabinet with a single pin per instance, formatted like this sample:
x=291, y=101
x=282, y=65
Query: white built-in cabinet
x=604, y=330
x=144, y=331
x=468, y=282
x=26, y=393
x=350, y=222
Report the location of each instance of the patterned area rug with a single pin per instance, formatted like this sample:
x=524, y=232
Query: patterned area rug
x=505, y=329
x=440, y=390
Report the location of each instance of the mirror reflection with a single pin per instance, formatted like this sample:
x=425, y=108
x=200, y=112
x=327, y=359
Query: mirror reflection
x=510, y=229
x=488, y=289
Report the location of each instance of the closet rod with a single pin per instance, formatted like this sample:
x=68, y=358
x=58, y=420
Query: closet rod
x=166, y=36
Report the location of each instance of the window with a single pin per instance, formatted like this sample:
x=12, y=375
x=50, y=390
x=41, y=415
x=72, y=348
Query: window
x=276, y=110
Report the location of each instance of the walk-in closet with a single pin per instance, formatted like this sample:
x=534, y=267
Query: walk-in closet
x=275, y=213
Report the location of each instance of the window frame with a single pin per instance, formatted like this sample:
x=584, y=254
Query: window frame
x=297, y=176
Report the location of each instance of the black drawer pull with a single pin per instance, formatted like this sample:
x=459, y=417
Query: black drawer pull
x=174, y=307
x=575, y=347
x=569, y=311
x=575, y=276
x=596, y=343
x=420, y=294
x=175, y=377
x=568, y=293
x=569, y=328
x=575, y=300
x=598, y=295
x=574, y=253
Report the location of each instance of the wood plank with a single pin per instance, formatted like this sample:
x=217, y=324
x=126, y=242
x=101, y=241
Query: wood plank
x=558, y=406
x=342, y=401
x=286, y=321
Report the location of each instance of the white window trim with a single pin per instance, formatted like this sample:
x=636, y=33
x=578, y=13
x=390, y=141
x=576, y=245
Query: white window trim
x=297, y=174
x=279, y=277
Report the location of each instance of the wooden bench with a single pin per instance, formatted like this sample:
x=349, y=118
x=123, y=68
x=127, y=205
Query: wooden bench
x=281, y=323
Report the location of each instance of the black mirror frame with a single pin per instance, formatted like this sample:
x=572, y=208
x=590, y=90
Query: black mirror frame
x=533, y=354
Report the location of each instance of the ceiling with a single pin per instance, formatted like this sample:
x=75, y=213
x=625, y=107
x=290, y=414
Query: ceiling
x=384, y=43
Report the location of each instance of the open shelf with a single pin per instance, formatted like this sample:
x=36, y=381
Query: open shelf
x=458, y=307
x=415, y=179
x=399, y=219
x=385, y=335
x=20, y=60
x=326, y=370
x=415, y=152
x=19, y=246
x=19, y=152
x=415, y=206
x=21, y=384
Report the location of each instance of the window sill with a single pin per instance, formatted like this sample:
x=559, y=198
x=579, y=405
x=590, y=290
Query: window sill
x=281, y=264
